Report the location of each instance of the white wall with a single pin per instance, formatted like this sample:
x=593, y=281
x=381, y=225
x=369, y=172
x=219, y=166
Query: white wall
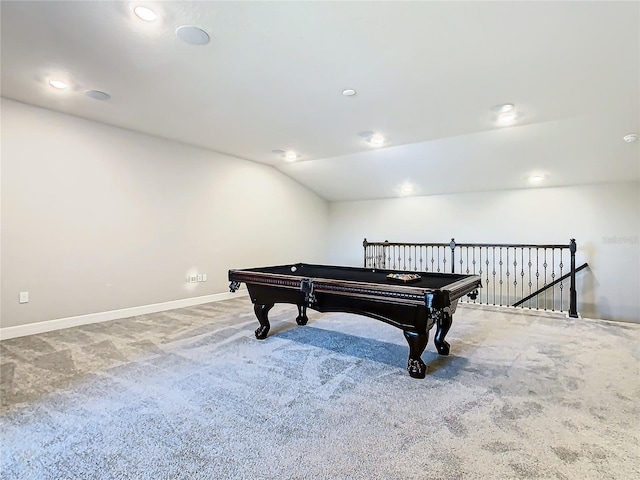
x=96, y=218
x=604, y=220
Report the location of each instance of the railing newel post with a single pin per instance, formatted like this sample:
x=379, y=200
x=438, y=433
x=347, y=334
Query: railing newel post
x=573, y=296
x=452, y=244
x=364, y=245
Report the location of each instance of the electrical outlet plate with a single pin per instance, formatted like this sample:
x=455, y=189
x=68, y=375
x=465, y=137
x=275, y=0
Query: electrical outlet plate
x=193, y=279
x=24, y=297
x=199, y=277
x=204, y=277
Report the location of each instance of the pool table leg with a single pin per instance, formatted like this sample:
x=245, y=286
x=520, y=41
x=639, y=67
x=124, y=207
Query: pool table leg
x=261, y=312
x=302, y=318
x=417, y=343
x=444, y=320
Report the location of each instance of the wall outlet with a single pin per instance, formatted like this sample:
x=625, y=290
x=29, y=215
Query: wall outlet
x=199, y=277
x=24, y=297
x=193, y=279
x=204, y=277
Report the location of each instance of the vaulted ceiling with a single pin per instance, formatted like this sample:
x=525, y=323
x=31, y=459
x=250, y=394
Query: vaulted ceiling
x=271, y=75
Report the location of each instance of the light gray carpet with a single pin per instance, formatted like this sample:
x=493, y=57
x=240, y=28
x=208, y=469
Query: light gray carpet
x=191, y=394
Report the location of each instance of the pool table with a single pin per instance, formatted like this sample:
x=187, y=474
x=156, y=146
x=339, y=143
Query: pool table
x=410, y=304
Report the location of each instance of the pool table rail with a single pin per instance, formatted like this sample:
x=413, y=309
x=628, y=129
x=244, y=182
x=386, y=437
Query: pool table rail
x=406, y=294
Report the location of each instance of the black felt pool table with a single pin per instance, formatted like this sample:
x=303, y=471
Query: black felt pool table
x=414, y=305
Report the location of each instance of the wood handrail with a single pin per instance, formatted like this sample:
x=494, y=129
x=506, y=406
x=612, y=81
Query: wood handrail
x=549, y=285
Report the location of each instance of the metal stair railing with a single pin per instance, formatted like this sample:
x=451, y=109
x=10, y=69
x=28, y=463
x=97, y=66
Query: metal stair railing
x=540, y=268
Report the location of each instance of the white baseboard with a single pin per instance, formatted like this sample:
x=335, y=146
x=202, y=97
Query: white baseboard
x=60, y=323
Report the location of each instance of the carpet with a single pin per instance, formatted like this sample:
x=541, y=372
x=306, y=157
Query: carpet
x=191, y=394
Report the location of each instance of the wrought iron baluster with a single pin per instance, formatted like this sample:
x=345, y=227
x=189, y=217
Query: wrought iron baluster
x=522, y=273
x=473, y=259
x=478, y=298
x=544, y=281
x=530, y=282
x=515, y=274
x=434, y=263
x=506, y=275
x=501, y=282
x=537, y=277
x=432, y=260
x=480, y=270
x=415, y=266
x=487, y=272
x=404, y=258
x=561, y=285
x=553, y=277
x=493, y=266
x=467, y=260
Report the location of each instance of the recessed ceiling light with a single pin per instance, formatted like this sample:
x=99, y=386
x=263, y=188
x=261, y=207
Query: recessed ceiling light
x=536, y=178
x=97, y=95
x=376, y=140
x=58, y=84
x=503, y=107
x=192, y=35
x=291, y=156
x=146, y=14
x=349, y=92
x=406, y=188
x=506, y=119
x=632, y=137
